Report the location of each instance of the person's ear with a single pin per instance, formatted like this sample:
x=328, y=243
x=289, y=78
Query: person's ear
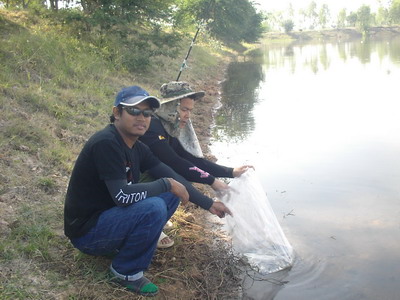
x=116, y=113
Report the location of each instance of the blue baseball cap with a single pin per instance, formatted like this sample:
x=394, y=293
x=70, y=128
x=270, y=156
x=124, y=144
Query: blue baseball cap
x=134, y=95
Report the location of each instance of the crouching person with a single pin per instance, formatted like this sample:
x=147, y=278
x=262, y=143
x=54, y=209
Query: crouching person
x=106, y=210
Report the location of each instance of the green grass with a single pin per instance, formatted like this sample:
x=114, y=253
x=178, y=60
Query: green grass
x=57, y=86
x=48, y=185
x=30, y=236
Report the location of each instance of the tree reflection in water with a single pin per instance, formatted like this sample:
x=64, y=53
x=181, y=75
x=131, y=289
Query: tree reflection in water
x=235, y=120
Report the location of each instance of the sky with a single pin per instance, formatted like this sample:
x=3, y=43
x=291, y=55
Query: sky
x=334, y=5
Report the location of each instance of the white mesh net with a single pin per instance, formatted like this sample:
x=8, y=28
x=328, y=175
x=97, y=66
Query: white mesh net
x=254, y=228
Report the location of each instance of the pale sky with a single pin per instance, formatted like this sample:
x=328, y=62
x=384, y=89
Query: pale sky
x=334, y=5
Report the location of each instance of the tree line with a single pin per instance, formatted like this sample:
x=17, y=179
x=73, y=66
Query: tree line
x=229, y=21
x=320, y=17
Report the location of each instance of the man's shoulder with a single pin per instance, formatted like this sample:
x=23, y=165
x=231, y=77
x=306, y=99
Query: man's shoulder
x=107, y=133
x=155, y=125
x=155, y=132
x=102, y=139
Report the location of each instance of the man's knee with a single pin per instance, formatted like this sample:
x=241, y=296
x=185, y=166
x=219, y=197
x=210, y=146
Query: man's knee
x=155, y=207
x=170, y=199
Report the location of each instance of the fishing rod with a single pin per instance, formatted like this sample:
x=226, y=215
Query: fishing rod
x=184, y=65
x=203, y=22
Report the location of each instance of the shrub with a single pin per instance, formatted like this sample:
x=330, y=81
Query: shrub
x=288, y=26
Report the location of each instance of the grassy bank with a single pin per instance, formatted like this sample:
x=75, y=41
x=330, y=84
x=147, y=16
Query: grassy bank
x=56, y=89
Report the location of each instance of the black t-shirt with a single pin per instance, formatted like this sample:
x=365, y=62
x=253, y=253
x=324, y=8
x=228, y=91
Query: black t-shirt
x=104, y=157
x=170, y=151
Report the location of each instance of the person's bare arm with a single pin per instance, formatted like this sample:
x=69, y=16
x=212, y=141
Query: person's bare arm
x=179, y=190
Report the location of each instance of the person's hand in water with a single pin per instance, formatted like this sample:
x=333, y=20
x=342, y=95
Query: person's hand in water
x=219, y=185
x=219, y=209
x=240, y=170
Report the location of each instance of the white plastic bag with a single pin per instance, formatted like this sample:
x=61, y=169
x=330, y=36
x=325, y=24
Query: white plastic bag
x=254, y=229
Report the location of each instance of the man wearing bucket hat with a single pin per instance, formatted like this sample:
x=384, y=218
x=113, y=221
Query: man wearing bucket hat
x=172, y=139
x=107, y=211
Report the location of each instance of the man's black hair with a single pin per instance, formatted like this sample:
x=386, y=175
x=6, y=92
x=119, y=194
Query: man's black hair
x=112, y=118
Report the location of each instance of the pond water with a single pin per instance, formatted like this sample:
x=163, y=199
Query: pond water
x=321, y=125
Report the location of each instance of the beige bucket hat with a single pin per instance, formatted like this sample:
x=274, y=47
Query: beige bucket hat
x=176, y=90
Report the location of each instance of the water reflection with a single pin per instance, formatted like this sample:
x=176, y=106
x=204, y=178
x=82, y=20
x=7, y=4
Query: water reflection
x=321, y=127
x=235, y=119
x=362, y=50
x=239, y=97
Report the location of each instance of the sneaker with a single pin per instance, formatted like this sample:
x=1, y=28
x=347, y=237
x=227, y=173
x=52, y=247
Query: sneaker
x=142, y=286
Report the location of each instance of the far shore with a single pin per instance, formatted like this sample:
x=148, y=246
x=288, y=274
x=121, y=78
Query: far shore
x=342, y=34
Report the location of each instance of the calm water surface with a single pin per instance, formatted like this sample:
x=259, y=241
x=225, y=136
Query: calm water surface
x=321, y=124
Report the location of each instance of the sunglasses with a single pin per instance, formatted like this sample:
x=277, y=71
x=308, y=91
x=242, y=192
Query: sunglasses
x=136, y=112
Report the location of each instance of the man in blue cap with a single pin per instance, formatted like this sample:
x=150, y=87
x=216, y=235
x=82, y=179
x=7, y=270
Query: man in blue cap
x=107, y=211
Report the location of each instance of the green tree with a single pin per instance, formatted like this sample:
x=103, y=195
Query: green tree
x=324, y=15
x=351, y=19
x=312, y=14
x=341, y=20
x=394, y=12
x=274, y=20
x=290, y=11
x=130, y=10
x=364, y=18
x=288, y=25
x=230, y=21
x=23, y=4
x=382, y=16
x=303, y=17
